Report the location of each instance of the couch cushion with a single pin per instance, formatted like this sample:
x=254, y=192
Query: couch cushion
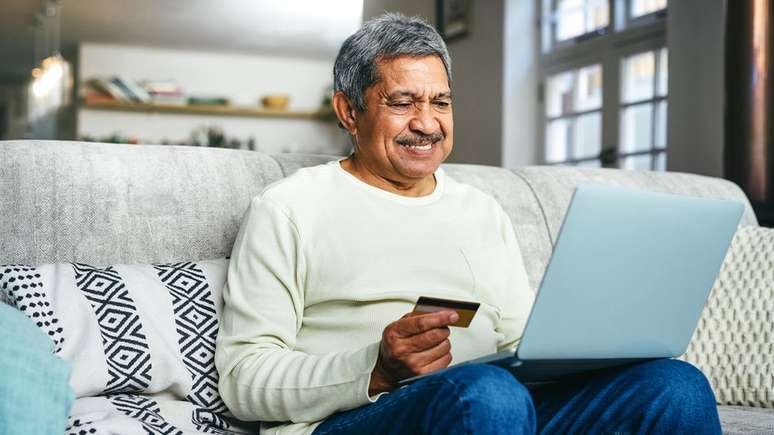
x=732, y=344
x=738, y=420
x=130, y=328
x=290, y=163
x=109, y=203
x=125, y=413
x=554, y=186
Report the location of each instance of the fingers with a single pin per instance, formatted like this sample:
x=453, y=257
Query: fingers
x=401, y=364
x=417, y=343
x=427, y=339
x=430, y=357
x=438, y=364
x=416, y=324
x=400, y=347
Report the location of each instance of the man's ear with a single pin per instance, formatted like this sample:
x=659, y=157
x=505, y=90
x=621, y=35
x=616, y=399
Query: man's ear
x=345, y=112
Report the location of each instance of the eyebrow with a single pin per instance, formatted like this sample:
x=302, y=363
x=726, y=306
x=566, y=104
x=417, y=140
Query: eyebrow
x=398, y=94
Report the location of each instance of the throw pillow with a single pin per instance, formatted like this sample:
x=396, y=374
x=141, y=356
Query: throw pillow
x=130, y=328
x=36, y=397
x=732, y=343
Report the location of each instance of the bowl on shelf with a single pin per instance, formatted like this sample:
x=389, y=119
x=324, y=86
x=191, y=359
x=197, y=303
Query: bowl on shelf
x=275, y=102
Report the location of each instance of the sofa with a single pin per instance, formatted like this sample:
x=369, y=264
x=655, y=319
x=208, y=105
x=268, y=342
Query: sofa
x=84, y=203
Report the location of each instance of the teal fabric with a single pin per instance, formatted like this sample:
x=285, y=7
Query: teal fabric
x=34, y=389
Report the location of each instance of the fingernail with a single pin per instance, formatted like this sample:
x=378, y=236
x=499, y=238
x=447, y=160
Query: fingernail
x=453, y=317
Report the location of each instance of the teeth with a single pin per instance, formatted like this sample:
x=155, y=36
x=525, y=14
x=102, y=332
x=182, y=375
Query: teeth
x=420, y=147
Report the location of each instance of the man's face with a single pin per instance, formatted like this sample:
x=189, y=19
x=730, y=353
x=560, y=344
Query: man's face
x=406, y=131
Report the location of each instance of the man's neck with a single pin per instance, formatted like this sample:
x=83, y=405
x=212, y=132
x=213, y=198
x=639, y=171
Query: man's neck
x=361, y=171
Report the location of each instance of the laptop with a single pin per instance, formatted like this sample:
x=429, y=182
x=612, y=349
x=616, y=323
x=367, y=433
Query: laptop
x=628, y=279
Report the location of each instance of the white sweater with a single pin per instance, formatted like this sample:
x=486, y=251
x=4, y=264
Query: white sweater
x=323, y=262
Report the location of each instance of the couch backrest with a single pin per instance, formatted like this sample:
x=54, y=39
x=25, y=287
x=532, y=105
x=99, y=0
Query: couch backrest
x=106, y=203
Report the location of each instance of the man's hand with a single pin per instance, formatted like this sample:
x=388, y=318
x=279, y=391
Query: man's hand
x=413, y=345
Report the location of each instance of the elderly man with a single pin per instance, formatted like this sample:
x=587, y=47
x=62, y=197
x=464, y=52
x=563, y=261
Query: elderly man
x=328, y=261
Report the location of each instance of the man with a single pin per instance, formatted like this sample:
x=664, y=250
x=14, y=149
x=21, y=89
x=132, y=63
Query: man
x=328, y=261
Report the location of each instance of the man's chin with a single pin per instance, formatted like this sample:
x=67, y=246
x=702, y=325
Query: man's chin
x=418, y=166
x=418, y=170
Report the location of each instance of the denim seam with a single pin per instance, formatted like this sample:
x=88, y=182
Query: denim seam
x=465, y=410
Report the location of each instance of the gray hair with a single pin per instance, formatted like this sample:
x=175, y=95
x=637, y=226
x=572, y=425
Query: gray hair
x=384, y=37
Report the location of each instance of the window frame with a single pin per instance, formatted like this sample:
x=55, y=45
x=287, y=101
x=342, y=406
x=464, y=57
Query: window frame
x=645, y=33
x=569, y=42
x=653, y=150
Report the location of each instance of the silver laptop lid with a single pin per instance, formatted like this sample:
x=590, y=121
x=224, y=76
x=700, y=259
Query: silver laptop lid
x=629, y=275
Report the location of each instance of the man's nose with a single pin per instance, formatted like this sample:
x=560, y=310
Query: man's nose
x=424, y=120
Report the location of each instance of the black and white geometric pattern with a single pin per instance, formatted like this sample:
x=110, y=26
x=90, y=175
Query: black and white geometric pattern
x=125, y=345
x=76, y=426
x=197, y=328
x=146, y=411
x=23, y=289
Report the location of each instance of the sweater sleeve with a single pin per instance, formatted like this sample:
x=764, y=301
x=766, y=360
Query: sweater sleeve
x=517, y=301
x=262, y=377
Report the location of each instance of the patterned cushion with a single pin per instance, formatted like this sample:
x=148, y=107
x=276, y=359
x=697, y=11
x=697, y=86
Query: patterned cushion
x=130, y=328
x=124, y=413
x=732, y=344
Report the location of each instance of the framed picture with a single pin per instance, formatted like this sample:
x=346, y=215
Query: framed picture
x=453, y=18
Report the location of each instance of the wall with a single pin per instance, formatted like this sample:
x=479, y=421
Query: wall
x=478, y=87
x=521, y=48
x=242, y=78
x=695, y=37
x=477, y=65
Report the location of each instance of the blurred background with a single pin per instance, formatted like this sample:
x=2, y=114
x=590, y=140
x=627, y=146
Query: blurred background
x=679, y=85
x=174, y=72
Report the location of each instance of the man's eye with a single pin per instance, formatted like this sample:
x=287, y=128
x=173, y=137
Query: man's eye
x=400, y=104
x=442, y=103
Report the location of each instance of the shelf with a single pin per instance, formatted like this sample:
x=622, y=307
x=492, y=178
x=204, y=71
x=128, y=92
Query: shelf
x=201, y=109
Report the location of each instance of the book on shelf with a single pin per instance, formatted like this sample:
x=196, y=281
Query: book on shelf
x=92, y=96
x=161, y=86
x=125, y=90
x=120, y=89
x=137, y=93
x=107, y=87
x=164, y=91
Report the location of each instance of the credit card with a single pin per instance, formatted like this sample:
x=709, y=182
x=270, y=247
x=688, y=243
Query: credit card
x=466, y=310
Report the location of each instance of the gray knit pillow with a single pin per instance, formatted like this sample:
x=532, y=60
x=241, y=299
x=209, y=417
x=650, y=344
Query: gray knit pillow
x=734, y=342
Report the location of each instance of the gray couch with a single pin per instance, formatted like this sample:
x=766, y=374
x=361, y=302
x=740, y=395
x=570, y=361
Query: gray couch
x=107, y=203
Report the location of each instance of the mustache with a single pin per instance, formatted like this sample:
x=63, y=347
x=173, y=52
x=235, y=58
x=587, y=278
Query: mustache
x=420, y=139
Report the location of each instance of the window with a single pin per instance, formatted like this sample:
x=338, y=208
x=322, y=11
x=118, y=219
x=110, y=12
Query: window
x=639, y=8
x=569, y=19
x=573, y=109
x=643, y=110
x=604, y=90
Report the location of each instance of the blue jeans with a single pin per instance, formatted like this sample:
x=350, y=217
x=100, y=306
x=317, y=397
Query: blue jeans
x=656, y=397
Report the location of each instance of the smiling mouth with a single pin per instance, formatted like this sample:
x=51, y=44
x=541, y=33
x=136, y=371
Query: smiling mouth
x=426, y=147
x=420, y=144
